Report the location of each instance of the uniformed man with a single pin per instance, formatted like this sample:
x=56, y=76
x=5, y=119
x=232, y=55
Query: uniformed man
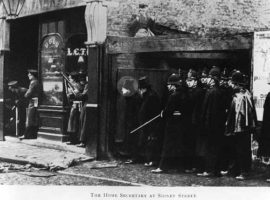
x=74, y=91
x=241, y=123
x=21, y=104
x=213, y=119
x=175, y=115
x=32, y=95
x=196, y=95
x=83, y=96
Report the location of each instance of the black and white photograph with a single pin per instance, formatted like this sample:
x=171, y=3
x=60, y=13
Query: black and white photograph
x=134, y=99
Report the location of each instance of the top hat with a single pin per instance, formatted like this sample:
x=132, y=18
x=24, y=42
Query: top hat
x=12, y=83
x=144, y=82
x=174, y=79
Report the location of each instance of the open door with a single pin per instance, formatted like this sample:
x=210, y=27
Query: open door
x=261, y=70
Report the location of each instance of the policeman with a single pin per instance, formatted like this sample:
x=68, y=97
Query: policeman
x=213, y=119
x=241, y=123
x=21, y=104
x=175, y=116
x=32, y=95
x=196, y=95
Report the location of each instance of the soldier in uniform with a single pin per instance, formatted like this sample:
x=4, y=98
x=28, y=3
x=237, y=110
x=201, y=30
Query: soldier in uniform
x=32, y=95
x=83, y=120
x=20, y=103
x=175, y=116
x=73, y=93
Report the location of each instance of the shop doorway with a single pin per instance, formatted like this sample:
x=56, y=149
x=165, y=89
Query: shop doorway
x=23, y=56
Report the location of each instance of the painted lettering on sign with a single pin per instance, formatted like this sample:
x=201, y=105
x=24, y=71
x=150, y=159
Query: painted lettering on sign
x=77, y=52
x=39, y=6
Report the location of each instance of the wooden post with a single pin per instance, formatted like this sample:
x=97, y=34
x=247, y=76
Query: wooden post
x=4, y=50
x=96, y=25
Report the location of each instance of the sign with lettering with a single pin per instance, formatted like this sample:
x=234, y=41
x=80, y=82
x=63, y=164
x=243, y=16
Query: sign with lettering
x=52, y=64
x=261, y=70
x=32, y=7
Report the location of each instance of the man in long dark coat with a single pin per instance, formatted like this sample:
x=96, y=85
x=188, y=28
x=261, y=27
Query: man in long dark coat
x=241, y=123
x=264, y=140
x=150, y=107
x=196, y=95
x=175, y=115
x=20, y=103
x=32, y=95
x=213, y=119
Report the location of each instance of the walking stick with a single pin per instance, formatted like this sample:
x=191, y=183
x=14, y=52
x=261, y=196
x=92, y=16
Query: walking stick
x=143, y=125
x=17, y=121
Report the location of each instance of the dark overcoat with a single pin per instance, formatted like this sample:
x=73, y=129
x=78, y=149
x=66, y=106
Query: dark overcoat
x=150, y=107
x=264, y=139
x=176, y=114
x=213, y=121
x=33, y=92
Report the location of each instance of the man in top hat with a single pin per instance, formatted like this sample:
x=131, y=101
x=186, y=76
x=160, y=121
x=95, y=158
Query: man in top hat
x=175, y=116
x=241, y=123
x=213, y=122
x=264, y=139
x=21, y=104
x=32, y=95
x=149, y=108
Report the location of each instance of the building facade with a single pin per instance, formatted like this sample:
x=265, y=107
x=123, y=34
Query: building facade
x=50, y=35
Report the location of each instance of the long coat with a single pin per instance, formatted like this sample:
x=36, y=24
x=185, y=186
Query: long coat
x=31, y=112
x=150, y=107
x=264, y=140
x=176, y=116
x=213, y=121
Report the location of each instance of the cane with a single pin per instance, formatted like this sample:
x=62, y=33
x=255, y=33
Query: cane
x=143, y=125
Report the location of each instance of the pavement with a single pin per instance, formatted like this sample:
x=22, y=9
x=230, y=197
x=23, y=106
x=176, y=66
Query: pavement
x=41, y=153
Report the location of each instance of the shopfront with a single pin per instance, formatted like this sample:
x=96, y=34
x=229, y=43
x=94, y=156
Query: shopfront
x=47, y=36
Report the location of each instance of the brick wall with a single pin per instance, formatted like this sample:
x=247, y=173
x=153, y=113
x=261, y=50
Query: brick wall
x=201, y=17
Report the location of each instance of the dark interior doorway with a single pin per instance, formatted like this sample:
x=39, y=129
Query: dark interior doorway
x=23, y=56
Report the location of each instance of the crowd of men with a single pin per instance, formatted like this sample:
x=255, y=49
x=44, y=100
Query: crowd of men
x=204, y=126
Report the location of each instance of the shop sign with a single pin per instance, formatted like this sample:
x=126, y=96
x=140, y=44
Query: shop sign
x=77, y=52
x=261, y=70
x=40, y=6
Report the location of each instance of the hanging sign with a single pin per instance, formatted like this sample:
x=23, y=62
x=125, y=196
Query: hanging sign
x=261, y=70
x=32, y=7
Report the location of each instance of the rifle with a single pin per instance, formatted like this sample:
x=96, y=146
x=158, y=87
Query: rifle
x=144, y=124
x=67, y=81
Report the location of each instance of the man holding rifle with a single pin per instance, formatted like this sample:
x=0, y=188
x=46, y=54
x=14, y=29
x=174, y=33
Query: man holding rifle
x=74, y=89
